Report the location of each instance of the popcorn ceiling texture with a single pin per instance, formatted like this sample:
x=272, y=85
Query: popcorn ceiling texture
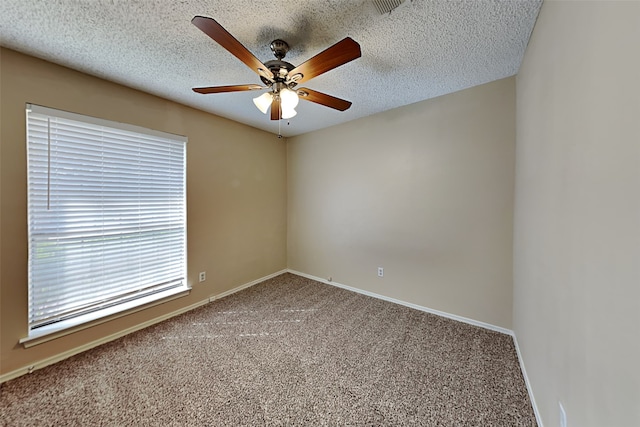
x=289, y=351
x=420, y=50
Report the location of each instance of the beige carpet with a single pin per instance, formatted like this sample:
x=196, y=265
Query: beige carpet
x=289, y=351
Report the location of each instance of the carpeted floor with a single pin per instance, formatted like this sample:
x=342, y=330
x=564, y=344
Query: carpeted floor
x=289, y=351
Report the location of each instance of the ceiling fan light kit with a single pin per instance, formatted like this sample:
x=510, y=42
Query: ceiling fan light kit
x=288, y=102
x=280, y=76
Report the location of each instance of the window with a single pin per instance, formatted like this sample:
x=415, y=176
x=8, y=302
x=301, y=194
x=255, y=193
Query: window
x=107, y=218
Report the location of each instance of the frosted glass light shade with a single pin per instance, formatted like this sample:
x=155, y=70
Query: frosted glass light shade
x=263, y=102
x=287, y=113
x=289, y=99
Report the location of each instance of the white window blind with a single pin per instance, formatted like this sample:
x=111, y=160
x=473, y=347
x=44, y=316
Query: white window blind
x=107, y=215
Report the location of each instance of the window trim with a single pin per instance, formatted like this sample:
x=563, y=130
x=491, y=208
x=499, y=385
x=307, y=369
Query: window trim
x=103, y=122
x=86, y=321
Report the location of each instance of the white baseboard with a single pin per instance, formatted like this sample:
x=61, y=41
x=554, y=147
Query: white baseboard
x=246, y=285
x=408, y=304
x=526, y=381
x=64, y=355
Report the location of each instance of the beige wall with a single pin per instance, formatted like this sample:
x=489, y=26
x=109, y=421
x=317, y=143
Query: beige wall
x=425, y=191
x=236, y=191
x=577, y=215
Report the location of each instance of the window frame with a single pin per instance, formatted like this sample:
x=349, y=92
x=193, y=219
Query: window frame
x=46, y=332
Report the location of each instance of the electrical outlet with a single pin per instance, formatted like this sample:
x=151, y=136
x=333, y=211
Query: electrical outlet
x=563, y=415
x=202, y=276
x=380, y=272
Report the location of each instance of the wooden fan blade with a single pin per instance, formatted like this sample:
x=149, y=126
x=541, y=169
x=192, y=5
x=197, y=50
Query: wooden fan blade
x=214, y=30
x=276, y=111
x=323, y=99
x=339, y=54
x=222, y=89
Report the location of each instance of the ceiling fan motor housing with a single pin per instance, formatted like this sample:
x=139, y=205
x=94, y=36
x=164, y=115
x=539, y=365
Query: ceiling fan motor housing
x=280, y=70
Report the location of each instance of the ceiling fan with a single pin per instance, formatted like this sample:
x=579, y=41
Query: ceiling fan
x=280, y=76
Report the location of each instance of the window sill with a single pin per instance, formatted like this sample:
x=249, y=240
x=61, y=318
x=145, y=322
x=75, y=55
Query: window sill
x=66, y=327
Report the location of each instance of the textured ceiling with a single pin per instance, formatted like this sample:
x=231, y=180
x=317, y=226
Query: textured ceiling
x=422, y=49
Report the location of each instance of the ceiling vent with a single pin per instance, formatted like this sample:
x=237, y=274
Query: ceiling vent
x=386, y=6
